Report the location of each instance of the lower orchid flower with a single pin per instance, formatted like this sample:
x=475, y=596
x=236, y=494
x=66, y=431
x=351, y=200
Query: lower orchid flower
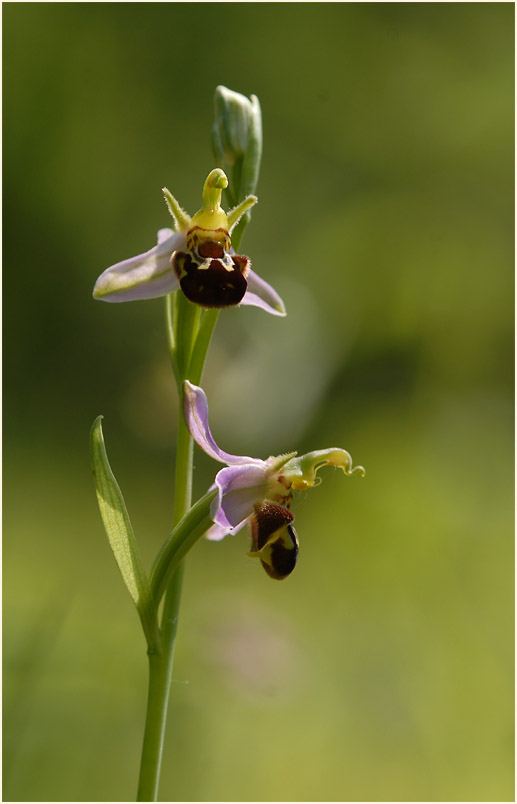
x=257, y=492
x=197, y=257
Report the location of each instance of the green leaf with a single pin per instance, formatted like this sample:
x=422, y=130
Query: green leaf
x=120, y=535
x=194, y=524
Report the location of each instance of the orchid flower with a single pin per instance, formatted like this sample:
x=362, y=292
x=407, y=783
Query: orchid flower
x=197, y=257
x=257, y=492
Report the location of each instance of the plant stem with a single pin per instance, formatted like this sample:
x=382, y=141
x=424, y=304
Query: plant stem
x=187, y=325
x=160, y=664
x=160, y=670
x=182, y=335
x=170, y=317
x=201, y=345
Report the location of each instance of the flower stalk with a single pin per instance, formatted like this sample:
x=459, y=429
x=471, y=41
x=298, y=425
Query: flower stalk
x=169, y=575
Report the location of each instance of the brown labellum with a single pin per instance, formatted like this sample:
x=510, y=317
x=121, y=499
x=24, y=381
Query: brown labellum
x=274, y=539
x=210, y=276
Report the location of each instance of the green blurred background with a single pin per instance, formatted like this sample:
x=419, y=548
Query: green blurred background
x=383, y=668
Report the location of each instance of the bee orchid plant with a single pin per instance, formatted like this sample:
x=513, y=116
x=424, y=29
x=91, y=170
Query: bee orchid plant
x=196, y=267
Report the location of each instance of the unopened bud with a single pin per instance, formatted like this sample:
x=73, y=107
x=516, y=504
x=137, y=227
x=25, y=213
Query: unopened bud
x=237, y=138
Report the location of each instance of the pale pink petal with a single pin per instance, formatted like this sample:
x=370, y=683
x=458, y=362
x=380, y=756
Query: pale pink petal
x=240, y=487
x=261, y=294
x=164, y=234
x=146, y=276
x=195, y=410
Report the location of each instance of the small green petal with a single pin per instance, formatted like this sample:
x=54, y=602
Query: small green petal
x=237, y=212
x=178, y=214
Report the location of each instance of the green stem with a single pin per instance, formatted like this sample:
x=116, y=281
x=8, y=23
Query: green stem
x=201, y=345
x=160, y=670
x=160, y=665
x=182, y=334
x=183, y=475
x=170, y=317
x=187, y=324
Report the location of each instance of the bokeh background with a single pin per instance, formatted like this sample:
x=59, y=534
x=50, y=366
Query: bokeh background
x=382, y=669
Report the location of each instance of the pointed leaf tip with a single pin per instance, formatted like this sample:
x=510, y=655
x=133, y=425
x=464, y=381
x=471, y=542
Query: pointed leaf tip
x=120, y=534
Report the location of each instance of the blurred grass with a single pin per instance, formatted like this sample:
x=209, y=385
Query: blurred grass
x=383, y=668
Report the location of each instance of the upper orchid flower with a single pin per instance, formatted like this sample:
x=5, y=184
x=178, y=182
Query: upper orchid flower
x=196, y=257
x=258, y=492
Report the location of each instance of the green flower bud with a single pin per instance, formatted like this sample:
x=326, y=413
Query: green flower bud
x=237, y=139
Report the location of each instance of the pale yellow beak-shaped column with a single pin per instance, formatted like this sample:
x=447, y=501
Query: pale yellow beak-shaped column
x=211, y=222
